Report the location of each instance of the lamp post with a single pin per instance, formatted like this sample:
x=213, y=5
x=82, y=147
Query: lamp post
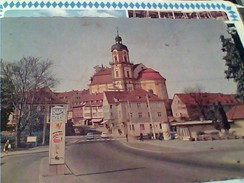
x=129, y=112
x=151, y=120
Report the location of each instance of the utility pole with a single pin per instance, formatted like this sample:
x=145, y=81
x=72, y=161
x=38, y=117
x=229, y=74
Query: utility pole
x=128, y=105
x=150, y=113
x=46, y=118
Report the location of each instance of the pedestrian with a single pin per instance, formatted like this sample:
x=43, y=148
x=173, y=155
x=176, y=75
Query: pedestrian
x=141, y=136
x=119, y=131
x=127, y=137
x=7, y=146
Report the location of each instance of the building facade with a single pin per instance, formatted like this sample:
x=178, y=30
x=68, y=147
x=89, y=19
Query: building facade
x=134, y=112
x=196, y=106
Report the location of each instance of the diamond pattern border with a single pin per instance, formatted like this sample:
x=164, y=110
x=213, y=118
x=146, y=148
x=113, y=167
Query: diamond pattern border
x=123, y=5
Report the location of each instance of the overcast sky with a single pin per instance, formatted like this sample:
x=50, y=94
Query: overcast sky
x=185, y=52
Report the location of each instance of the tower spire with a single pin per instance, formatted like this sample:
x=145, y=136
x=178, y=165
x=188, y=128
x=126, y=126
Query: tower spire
x=118, y=39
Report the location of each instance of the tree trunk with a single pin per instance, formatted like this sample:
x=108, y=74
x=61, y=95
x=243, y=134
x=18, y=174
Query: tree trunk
x=17, y=138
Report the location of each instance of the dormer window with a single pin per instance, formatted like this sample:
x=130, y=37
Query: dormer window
x=150, y=91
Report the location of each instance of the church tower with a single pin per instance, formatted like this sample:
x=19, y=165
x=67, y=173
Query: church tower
x=122, y=73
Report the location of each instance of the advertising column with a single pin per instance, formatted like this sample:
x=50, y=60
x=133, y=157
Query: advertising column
x=57, y=140
x=166, y=131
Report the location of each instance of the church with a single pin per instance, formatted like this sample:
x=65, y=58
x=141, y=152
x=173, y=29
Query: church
x=123, y=75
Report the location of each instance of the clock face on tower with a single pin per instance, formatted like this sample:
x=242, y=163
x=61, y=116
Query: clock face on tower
x=58, y=114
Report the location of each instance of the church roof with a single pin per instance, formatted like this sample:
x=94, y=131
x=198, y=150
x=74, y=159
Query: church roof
x=150, y=74
x=103, y=76
x=119, y=47
x=118, y=44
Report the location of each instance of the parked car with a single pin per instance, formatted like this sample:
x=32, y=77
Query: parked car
x=89, y=136
x=105, y=135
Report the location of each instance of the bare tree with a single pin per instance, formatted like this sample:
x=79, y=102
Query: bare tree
x=197, y=94
x=27, y=76
x=196, y=89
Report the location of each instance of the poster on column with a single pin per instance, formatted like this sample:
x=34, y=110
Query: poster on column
x=57, y=136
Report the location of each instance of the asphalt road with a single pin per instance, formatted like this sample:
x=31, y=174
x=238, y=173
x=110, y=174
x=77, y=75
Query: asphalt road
x=23, y=168
x=112, y=162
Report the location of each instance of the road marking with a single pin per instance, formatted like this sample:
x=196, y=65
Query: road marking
x=93, y=140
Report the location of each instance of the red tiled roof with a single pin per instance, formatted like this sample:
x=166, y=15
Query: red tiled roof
x=138, y=95
x=102, y=77
x=207, y=98
x=44, y=96
x=69, y=94
x=93, y=99
x=236, y=112
x=115, y=96
x=150, y=74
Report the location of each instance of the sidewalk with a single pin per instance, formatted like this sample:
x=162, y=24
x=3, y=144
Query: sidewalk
x=45, y=176
x=178, y=146
x=38, y=149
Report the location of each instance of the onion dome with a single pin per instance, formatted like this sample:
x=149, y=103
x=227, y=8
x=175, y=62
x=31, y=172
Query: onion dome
x=118, y=44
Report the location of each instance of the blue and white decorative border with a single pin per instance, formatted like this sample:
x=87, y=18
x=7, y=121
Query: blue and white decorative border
x=183, y=6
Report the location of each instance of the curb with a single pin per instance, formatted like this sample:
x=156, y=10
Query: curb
x=16, y=153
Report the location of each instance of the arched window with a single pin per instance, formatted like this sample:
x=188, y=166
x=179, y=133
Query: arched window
x=117, y=74
x=125, y=58
x=128, y=73
x=115, y=58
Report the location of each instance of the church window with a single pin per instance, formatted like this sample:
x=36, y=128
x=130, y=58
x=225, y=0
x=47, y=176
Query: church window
x=117, y=74
x=159, y=114
x=128, y=73
x=115, y=58
x=125, y=58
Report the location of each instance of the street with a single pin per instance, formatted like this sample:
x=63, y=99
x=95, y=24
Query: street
x=114, y=162
x=21, y=168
